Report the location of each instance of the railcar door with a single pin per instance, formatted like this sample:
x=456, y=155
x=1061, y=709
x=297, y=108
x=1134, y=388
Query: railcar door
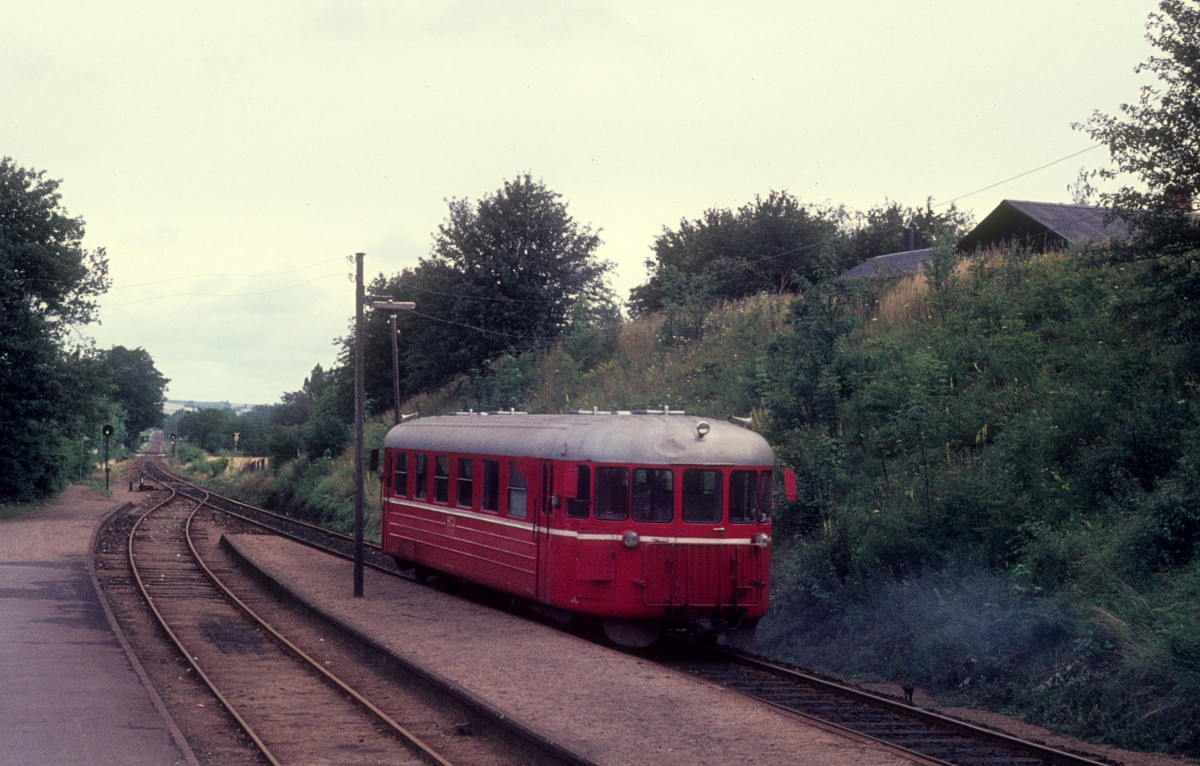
x=542, y=530
x=539, y=475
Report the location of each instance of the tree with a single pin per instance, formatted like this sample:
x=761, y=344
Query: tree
x=327, y=432
x=1157, y=139
x=1157, y=142
x=297, y=406
x=41, y=253
x=885, y=229
x=768, y=245
x=594, y=332
x=210, y=429
x=48, y=286
x=503, y=276
x=137, y=385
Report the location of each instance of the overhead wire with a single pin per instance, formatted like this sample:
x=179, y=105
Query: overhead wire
x=493, y=298
x=479, y=329
x=222, y=295
x=228, y=275
x=504, y=299
x=1019, y=175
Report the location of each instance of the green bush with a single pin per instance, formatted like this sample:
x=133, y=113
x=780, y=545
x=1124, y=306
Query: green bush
x=997, y=486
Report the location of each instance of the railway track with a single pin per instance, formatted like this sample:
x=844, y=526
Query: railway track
x=927, y=736
x=923, y=733
x=270, y=666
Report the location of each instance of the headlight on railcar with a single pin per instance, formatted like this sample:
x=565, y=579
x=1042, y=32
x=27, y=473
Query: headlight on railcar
x=630, y=539
x=761, y=540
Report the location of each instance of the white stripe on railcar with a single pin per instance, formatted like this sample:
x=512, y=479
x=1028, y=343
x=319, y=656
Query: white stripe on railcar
x=590, y=536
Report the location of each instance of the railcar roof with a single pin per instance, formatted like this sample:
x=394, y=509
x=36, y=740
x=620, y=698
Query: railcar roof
x=600, y=438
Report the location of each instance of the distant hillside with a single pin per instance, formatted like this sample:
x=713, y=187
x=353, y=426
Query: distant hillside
x=171, y=406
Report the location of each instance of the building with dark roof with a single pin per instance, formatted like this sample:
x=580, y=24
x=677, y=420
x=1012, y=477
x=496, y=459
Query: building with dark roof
x=1041, y=227
x=890, y=265
x=1038, y=226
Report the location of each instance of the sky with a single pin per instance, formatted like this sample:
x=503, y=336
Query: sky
x=230, y=157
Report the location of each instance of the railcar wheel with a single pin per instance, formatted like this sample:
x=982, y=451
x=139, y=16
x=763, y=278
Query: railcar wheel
x=422, y=573
x=633, y=634
x=402, y=564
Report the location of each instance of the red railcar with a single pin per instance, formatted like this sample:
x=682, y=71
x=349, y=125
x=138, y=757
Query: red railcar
x=644, y=520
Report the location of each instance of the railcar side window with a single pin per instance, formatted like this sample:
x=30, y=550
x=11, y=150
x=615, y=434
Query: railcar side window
x=577, y=507
x=441, y=479
x=517, y=485
x=400, y=474
x=466, y=479
x=612, y=494
x=743, y=497
x=490, y=489
x=422, y=488
x=702, y=496
x=653, y=494
x=766, y=496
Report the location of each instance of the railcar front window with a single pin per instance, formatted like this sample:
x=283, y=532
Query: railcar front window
x=766, y=496
x=466, y=479
x=490, y=490
x=422, y=488
x=702, y=496
x=517, y=491
x=400, y=474
x=577, y=507
x=441, y=479
x=612, y=494
x=743, y=497
x=653, y=494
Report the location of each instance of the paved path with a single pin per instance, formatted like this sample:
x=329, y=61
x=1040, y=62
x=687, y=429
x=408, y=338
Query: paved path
x=68, y=692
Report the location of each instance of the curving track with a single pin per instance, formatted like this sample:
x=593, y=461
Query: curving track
x=291, y=706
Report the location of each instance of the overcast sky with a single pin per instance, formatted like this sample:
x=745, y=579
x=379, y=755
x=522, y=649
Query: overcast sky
x=231, y=155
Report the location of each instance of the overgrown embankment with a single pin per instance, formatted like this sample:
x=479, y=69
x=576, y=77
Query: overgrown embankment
x=999, y=498
x=998, y=473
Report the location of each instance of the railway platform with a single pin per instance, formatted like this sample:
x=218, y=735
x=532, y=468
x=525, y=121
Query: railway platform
x=72, y=692
x=608, y=706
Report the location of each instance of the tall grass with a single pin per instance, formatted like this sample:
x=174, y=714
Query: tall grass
x=713, y=374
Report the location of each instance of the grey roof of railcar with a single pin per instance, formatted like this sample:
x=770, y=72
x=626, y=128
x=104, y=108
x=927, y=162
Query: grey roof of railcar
x=601, y=438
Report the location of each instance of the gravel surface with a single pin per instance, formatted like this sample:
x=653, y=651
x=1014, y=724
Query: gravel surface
x=612, y=707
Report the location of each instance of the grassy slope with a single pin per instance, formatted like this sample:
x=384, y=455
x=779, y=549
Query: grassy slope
x=943, y=540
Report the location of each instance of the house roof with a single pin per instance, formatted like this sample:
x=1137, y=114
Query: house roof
x=1036, y=225
x=1041, y=226
x=892, y=264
